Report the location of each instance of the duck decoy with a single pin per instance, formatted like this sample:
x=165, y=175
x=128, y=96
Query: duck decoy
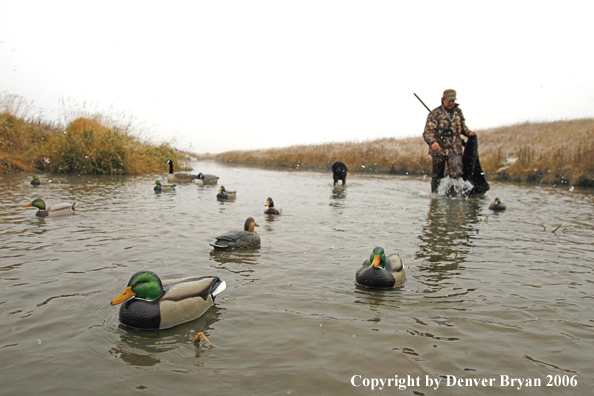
x=36, y=181
x=207, y=179
x=240, y=240
x=381, y=272
x=179, y=176
x=271, y=209
x=59, y=209
x=163, y=187
x=225, y=195
x=152, y=304
x=497, y=205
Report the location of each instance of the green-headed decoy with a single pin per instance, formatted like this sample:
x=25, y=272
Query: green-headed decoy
x=152, y=304
x=59, y=209
x=225, y=194
x=381, y=272
x=163, y=187
x=497, y=205
x=35, y=181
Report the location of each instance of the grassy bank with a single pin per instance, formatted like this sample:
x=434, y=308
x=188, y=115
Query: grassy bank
x=548, y=152
x=91, y=144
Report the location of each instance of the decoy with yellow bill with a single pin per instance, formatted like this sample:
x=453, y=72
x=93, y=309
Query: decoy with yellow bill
x=240, y=240
x=59, y=209
x=152, y=304
x=497, y=205
x=271, y=209
x=380, y=271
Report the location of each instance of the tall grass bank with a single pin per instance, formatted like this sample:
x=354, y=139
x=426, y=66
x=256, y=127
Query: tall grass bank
x=92, y=145
x=560, y=152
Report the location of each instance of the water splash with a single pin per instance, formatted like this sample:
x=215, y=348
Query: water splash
x=454, y=187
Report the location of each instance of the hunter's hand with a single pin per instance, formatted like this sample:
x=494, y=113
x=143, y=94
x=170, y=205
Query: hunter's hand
x=472, y=134
x=436, y=147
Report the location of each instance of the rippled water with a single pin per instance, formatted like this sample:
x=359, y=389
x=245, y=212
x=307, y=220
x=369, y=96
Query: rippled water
x=488, y=294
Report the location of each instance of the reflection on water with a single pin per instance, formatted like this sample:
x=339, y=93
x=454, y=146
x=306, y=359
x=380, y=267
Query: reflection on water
x=486, y=294
x=270, y=219
x=143, y=348
x=447, y=232
x=240, y=260
x=337, y=199
x=446, y=238
x=339, y=192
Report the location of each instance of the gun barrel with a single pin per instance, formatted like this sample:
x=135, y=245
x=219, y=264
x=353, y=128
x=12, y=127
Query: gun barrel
x=423, y=103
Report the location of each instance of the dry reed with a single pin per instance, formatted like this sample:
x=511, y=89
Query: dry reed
x=89, y=144
x=545, y=152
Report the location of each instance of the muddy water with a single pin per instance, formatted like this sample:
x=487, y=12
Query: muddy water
x=491, y=297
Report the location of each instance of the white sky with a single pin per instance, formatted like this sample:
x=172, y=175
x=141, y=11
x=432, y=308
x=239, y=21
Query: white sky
x=214, y=76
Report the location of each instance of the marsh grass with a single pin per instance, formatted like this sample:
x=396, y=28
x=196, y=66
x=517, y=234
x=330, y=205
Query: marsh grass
x=89, y=147
x=20, y=140
x=545, y=152
x=387, y=155
x=97, y=144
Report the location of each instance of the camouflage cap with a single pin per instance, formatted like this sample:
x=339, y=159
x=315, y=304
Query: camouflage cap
x=449, y=95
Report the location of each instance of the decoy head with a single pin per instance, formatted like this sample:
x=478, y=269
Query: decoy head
x=143, y=284
x=378, y=258
x=37, y=202
x=497, y=201
x=222, y=189
x=269, y=203
x=158, y=183
x=250, y=224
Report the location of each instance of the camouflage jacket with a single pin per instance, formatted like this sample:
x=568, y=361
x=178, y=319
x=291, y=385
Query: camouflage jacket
x=445, y=127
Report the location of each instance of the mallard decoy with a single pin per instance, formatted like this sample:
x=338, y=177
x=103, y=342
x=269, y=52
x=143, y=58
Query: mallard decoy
x=207, y=179
x=246, y=239
x=163, y=187
x=59, y=209
x=35, y=181
x=152, y=304
x=224, y=195
x=379, y=271
x=179, y=176
x=497, y=205
x=271, y=209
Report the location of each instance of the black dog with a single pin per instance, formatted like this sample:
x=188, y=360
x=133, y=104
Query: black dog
x=339, y=172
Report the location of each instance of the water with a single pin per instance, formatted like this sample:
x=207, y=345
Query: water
x=488, y=294
x=454, y=187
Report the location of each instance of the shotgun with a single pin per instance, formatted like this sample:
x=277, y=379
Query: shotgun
x=422, y=103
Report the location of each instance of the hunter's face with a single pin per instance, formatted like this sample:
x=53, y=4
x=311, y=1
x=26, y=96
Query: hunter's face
x=449, y=105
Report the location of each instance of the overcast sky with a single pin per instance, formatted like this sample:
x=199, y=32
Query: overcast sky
x=214, y=76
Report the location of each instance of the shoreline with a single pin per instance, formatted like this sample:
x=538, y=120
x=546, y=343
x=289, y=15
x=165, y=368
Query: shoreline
x=549, y=153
